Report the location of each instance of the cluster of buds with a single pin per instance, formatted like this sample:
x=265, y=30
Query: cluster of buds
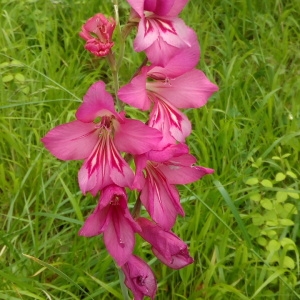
x=122, y=154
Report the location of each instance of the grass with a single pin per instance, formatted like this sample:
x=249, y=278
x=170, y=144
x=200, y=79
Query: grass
x=241, y=224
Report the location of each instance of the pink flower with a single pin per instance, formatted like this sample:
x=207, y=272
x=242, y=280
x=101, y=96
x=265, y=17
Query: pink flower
x=98, y=136
x=139, y=278
x=112, y=218
x=161, y=34
x=168, y=89
x=157, y=172
x=166, y=246
x=97, y=32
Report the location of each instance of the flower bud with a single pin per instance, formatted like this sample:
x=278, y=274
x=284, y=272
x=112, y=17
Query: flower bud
x=97, y=32
x=139, y=278
x=166, y=246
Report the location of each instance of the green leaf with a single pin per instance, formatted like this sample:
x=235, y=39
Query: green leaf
x=7, y=78
x=292, y=194
x=20, y=77
x=258, y=219
x=234, y=211
x=280, y=176
x=288, y=263
x=254, y=231
x=274, y=258
x=270, y=215
x=258, y=163
x=276, y=274
x=291, y=174
x=262, y=241
x=4, y=65
x=251, y=181
x=280, y=211
x=276, y=158
x=272, y=234
x=288, y=244
x=273, y=246
x=25, y=90
x=281, y=196
x=74, y=201
x=286, y=222
x=55, y=270
x=266, y=183
x=290, y=208
x=16, y=63
x=272, y=223
x=255, y=197
x=267, y=204
x=106, y=286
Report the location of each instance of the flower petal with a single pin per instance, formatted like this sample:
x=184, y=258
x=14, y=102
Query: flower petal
x=95, y=223
x=149, y=5
x=190, y=90
x=134, y=93
x=168, y=153
x=170, y=121
x=177, y=7
x=179, y=170
x=139, y=278
x=178, y=33
x=160, y=52
x=159, y=7
x=161, y=201
x=174, y=66
x=135, y=137
x=71, y=141
x=119, y=233
x=139, y=179
x=96, y=102
x=112, y=217
x=104, y=166
x=137, y=5
x=167, y=246
x=93, y=175
x=146, y=35
x=178, y=261
x=119, y=237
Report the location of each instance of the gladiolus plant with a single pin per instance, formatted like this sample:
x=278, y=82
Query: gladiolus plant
x=121, y=154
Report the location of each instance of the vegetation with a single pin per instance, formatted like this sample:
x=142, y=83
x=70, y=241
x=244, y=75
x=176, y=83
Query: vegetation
x=242, y=222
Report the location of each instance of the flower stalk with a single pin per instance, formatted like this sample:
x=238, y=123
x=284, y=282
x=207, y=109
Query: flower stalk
x=122, y=154
x=124, y=288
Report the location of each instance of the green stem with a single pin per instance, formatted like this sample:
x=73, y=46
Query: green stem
x=115, y=74
x=136, y=211
x=121, y=53
x=122, y=284
x=115, y=66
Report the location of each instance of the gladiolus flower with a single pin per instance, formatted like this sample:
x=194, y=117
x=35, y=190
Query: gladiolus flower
x=167, y=90
x=112, y=218
x=139, y=278
x=98, y=136
x=157, y=172
x=161, y=34
x=97, y=32
x=166, y=246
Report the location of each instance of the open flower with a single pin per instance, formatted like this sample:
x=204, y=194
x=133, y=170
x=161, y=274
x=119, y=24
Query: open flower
x=161, y=34
x=166, y=90
x=97, y=32
x=112, y=218
x=157, y=172
x=139, y=278
x=166, y=246
x=98, y=136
